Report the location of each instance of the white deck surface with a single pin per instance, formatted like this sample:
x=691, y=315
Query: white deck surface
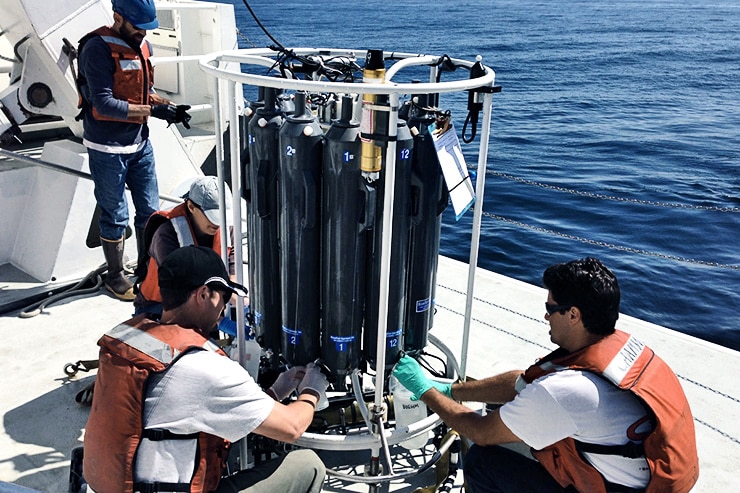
x=41, y=423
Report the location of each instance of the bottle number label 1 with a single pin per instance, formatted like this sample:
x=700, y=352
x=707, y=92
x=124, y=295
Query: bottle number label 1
x=341, y=343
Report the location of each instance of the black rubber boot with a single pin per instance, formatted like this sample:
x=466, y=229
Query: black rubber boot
x=115, y=281
x=143, y=256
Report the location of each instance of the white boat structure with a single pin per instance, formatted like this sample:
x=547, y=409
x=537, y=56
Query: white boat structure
x=484, y=323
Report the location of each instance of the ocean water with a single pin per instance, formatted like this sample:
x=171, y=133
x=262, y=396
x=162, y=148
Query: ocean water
x=616, y=135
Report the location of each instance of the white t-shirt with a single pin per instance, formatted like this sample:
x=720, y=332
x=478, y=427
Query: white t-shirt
x=202, y=391
x=584, y=406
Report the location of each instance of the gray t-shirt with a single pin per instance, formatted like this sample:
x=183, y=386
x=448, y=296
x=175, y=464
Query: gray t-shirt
x=202, y=392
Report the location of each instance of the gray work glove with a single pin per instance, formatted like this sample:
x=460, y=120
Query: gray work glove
x=314, y=382
x=287, y=382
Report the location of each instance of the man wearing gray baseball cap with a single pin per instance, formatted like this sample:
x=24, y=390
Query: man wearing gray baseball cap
x=194, y=222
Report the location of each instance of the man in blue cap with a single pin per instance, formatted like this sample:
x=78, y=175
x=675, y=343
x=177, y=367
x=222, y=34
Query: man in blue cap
x=116, y=83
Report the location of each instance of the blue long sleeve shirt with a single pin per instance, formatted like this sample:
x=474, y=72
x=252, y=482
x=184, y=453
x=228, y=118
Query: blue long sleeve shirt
x=96, y=64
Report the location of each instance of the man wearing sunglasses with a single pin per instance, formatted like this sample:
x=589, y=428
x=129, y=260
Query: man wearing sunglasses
x=602, y=413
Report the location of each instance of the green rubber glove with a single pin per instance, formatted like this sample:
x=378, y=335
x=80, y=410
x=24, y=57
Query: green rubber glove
x=410, y=375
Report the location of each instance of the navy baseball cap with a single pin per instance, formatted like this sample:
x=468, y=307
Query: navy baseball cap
x=190, y=267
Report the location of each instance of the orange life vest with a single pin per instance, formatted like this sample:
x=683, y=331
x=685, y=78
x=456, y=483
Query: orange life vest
x=670, y=449
x=185, y=235
x=133, y=77
x=129, y=354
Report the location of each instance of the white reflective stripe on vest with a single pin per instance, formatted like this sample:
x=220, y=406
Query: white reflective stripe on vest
x=182, y=230
x=130, y=64
x=150, y=345
x=147, y=344
x=116, y=41
x=550, y=366
x=623, y=360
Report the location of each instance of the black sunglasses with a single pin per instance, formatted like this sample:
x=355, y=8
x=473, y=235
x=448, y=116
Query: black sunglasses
x=556, y=308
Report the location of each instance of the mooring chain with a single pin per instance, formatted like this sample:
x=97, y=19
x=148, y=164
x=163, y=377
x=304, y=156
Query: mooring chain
x=674, y=205
x=488, y=324
x=503, y=308
x=726, y=396
x=245, y=38
x=611, y=245
x=711, y=427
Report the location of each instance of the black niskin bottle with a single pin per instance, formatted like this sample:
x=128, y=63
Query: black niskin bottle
x=429, y=198
x=249, y=112
x=262, y=235
x=398, y=261
x=301, y=148
x=348, y=207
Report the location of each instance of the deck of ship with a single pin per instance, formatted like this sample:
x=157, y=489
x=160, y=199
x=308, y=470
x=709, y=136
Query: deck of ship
x=42, y=423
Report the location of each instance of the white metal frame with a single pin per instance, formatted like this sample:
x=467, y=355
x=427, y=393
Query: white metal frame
x=220, y=66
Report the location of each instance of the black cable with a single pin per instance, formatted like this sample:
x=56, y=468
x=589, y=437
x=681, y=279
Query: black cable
x=76, y=290
x=17, y=46
x=3, y=57
x=19, y=58
x=264, y=29
x=425, y=364
x=285, y=59
x=471, y=118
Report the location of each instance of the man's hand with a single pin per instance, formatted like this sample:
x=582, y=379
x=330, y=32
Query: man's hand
x=314, y=382
x=166, y=112
x=410, y=375
x=287, y=382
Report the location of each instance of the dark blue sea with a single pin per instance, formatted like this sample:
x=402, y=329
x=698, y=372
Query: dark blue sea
x=616, y=135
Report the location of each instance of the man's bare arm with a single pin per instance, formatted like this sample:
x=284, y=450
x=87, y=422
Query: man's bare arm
x=482, y=430
x=497, y=389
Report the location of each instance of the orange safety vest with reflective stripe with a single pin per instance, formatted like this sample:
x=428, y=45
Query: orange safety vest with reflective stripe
x=670, y=449
x=133, y=77
x=129, y=354
x=185, y=235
